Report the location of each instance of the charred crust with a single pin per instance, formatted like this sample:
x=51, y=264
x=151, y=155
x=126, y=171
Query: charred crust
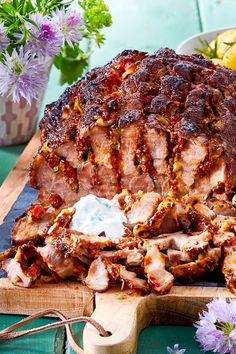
x=186, y=96
x=129, y=117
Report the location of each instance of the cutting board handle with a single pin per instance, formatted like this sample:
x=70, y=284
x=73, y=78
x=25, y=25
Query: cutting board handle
x=121, y=315
x=125, y=316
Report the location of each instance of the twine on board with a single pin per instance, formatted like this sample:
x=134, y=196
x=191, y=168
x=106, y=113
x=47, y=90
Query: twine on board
x=7, y=333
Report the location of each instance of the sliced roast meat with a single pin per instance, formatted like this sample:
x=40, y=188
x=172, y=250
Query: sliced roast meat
x=132, y=257
x=206, y=262
x=143, y=209
x=158, y=129
x=130, y=279
x=159, y=278
x=187, y=164
x=25, y=229
x=50, y=182
x=107, y=183
x=176, y=257
x=24, y=268
x=164, y=220
x=75, y=243
x=68, y=152
x=62, y=266
x=97, y=279
x=16, y=274
x=194, y=244
x=129, y=142
x=158, y=147
x=229, y=268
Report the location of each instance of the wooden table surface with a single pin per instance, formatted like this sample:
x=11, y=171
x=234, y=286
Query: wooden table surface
x=144, y=25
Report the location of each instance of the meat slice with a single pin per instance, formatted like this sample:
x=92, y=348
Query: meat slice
x=129, y=143
x=204, y=211
x=207, y=261
x=75, y=243
x=68, y=152
x=225, y=223
x=130, y=177
x=176, y=257
x=16, y=274
x=157, y=143
x=62, y=266
x=132, y=257
x=186, y=166
x=26, y=230
x=107, y=183
x=130, y=279
x=24, y=268
x=216, y=178
x=49, y=182
x=218, y=175
x=164, y=220
x=229, y=268
x=158, y=146
x=194, y=244
x=225, y=235
x=86, y=178
x=225, y=238
x=33, y=225
x=223, y=207
x=159, y=278
x=142, y=210
x=97, y=279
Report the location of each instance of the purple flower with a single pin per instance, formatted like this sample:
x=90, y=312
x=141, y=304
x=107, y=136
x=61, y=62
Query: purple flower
x=233, y=335
x=45, y=39
x=70, y=24
x=4, y=41
x=176, y=350
x=22, y=75
x=216, y=328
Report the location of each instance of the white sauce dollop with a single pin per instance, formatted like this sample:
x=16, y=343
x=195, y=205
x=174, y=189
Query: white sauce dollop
x=95, y=215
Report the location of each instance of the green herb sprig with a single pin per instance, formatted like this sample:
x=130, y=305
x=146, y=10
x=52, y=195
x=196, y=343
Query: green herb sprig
x=72, y=59
x=206, y=50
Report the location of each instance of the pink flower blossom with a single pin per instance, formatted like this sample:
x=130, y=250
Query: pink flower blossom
x=45, y=39
x=22, y=75
x=216, y=328
x=70, y=24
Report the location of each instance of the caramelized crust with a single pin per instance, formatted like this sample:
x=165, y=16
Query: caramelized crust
x=144, y=122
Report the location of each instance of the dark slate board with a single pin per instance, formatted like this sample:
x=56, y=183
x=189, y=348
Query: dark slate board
x=26, y=197
x=29, y=195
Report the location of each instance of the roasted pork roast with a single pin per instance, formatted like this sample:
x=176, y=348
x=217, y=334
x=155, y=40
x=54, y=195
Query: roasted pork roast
x=157, y=134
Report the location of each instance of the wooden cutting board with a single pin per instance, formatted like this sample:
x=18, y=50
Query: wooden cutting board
x=124, y=316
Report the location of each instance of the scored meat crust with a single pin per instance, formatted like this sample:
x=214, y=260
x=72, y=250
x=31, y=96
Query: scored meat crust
x=158, y=133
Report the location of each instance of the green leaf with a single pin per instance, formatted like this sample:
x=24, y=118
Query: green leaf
x=70, y=69
x=229, y=43
x=33, y=23
x=72, y=62
x=9, y=8
x=206, y=49
x=99, y=38
x=96, y=14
